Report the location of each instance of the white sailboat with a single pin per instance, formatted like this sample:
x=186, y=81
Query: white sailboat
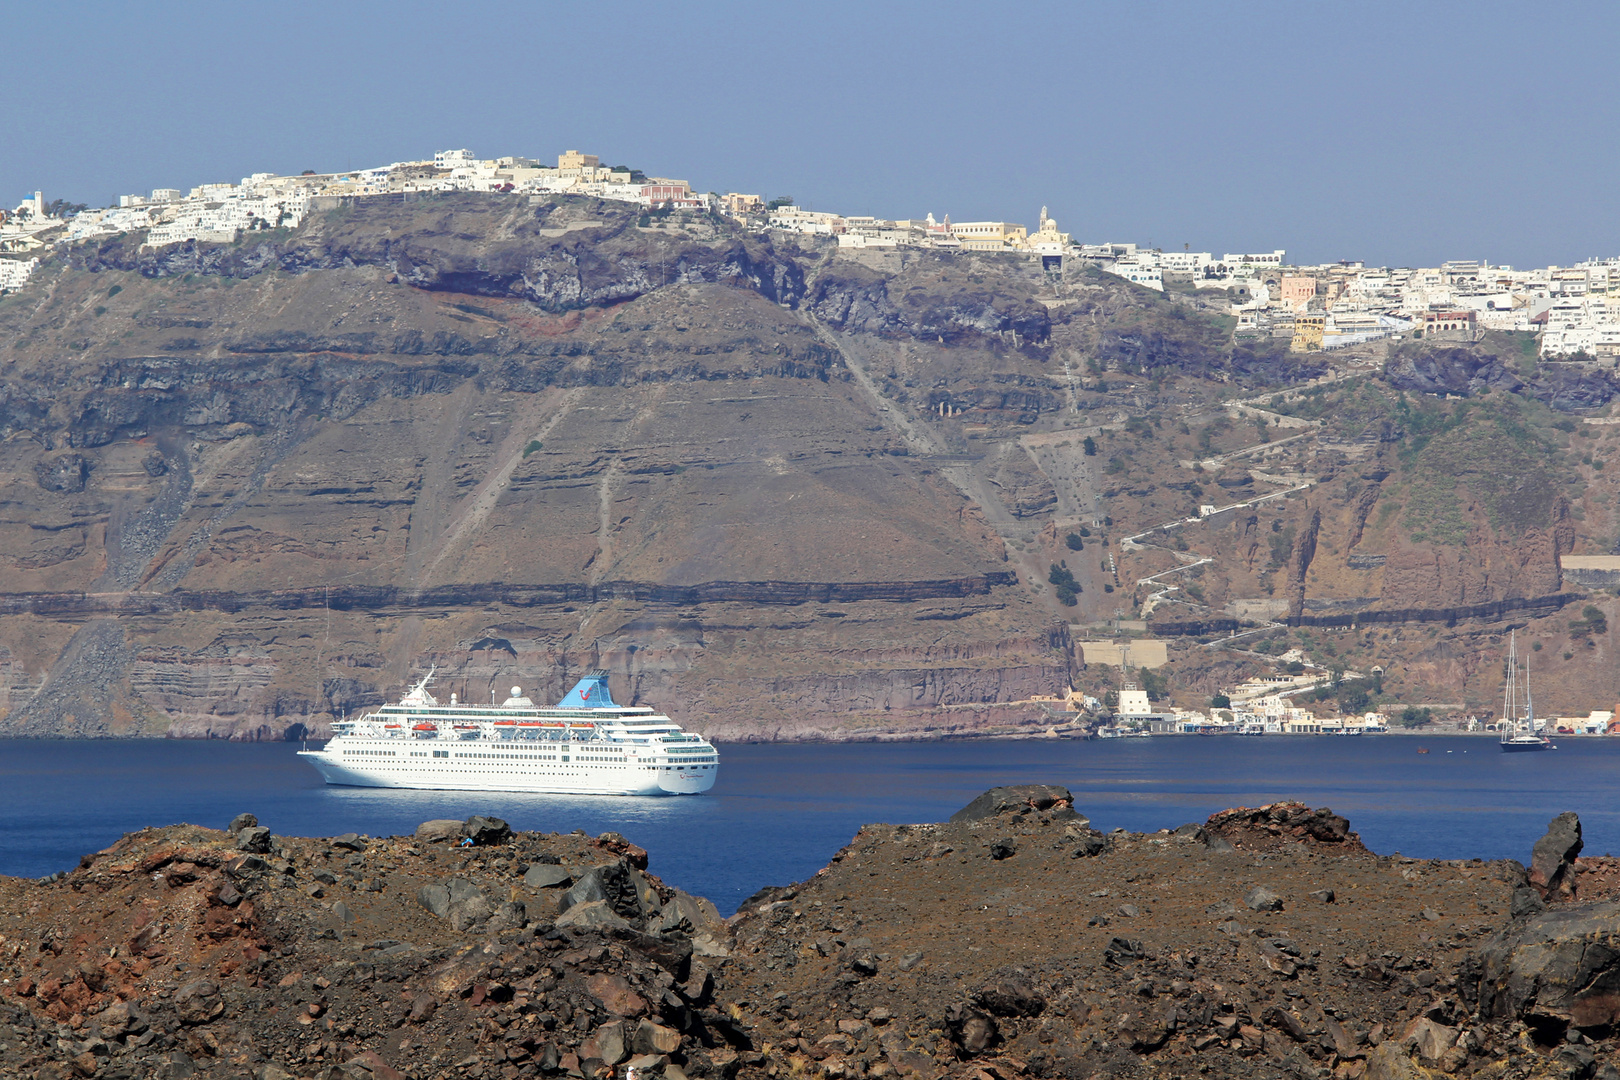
x=1519, y=732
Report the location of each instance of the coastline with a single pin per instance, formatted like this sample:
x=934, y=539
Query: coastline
x=823, y=739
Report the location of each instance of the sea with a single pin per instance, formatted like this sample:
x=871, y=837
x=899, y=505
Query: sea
x=779, y=811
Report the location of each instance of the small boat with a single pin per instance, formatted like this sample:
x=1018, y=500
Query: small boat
x=1423, y=749
x=1519, y=733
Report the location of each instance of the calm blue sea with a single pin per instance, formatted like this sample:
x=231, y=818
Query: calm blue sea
x=780, y=811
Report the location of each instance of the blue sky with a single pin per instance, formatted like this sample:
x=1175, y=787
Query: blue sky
x=1390, y=132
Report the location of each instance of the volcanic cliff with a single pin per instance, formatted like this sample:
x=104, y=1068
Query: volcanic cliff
x=779, y=490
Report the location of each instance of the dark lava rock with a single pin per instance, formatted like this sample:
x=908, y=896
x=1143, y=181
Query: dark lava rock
x=65, y=474
x=1555, y=970
x=440, y=829
x=1011, y=993
x=972, y=1029
x=1526, y=901
x=349, y=842
x=1266, y=825
x=1005, y=848
x=1091, y=846
x=1552, y=860
x=487, y=830
x=198, y=1002
x=1261, y=898
x=240, y=822
x=423, y=1007
x=1004, y=800
x=254, y=839
x=545, y=876
x=618, y=845
x=1125, y=948
x=613, y=883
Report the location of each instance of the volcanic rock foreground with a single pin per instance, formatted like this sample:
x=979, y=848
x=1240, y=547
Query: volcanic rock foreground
x=1014, y=941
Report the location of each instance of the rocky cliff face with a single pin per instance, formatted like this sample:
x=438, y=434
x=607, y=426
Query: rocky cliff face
x=250, y=487
x=779, y=491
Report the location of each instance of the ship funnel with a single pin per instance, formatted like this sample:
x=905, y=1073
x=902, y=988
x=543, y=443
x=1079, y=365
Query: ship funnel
x=591, y=692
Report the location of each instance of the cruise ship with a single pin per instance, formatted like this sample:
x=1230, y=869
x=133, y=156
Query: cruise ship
x=585, y=745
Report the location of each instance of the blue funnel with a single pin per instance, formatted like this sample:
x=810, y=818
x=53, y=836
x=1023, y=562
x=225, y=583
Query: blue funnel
x=591, y=692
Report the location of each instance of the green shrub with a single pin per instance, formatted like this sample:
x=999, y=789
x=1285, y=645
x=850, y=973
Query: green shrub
x=1156, y=685
x=1412, y=716
x=1592, y=622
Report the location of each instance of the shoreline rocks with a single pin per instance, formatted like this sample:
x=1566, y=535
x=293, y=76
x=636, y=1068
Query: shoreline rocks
x=1288, y=951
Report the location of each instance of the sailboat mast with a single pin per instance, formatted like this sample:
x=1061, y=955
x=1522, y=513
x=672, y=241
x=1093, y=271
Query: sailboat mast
x=1509, y=708
x=1529, y=699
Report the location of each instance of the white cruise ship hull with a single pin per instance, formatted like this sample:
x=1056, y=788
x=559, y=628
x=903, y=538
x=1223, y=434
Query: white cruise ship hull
x=554, y=779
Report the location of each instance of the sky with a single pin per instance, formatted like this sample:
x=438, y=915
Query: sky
x=1402, y=133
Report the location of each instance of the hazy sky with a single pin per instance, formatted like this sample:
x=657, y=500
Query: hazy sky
x=1398, y=133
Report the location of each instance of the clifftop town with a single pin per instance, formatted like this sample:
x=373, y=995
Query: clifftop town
x=1574, y=310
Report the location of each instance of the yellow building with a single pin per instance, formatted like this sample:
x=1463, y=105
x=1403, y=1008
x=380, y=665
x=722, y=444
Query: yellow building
x=737, y=205
x=1308, y=329
x=989, y=235
x=573, y=159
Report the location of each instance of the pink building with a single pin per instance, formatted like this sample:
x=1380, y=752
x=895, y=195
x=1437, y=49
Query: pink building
x=1297, y=291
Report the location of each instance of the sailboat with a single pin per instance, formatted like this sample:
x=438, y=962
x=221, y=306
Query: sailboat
x=1519, y=732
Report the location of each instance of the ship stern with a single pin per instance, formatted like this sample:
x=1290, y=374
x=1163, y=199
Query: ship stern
x=678, y=781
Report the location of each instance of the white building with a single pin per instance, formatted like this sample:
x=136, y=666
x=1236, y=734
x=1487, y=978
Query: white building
x=14, y=273
x=1345, y=328
x=1262, y=259
x=793, y=219
x=1185, y=262
x=1142, y=268
x=1581, y=324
